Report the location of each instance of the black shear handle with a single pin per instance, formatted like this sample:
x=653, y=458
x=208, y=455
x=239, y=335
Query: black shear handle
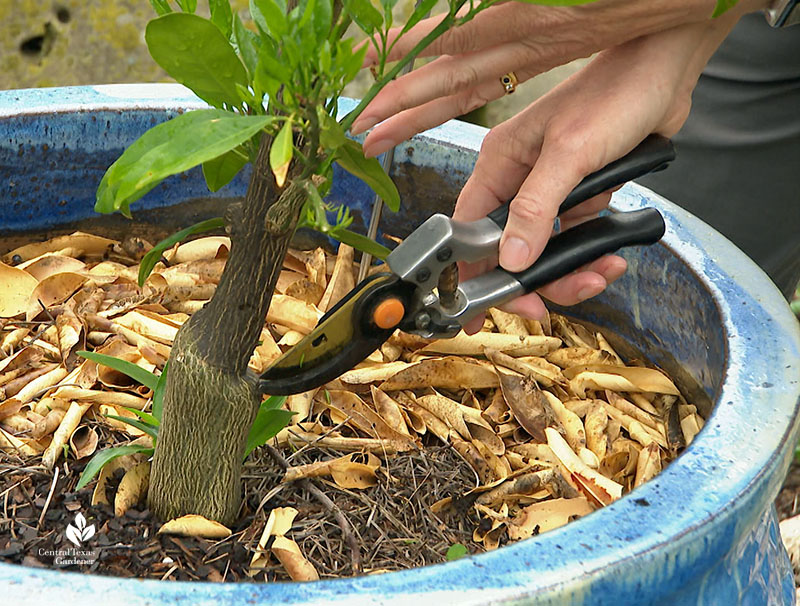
x=588, y=241
x=652, y=154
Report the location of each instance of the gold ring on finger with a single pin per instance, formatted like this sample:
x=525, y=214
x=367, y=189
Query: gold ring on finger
x=509, y=82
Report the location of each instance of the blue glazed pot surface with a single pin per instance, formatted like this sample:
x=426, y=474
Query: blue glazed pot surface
x=702, y=532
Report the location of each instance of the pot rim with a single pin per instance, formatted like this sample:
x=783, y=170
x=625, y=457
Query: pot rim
x=748, y=440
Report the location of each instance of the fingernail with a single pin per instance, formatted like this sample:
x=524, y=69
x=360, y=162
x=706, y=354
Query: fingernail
x=376, y=148
x=616, y=272
x=362, y=124
x=587, y=292
x=514, y=254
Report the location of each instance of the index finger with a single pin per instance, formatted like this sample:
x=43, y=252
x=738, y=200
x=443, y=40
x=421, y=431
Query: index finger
x=497, y=177
x=493, y=26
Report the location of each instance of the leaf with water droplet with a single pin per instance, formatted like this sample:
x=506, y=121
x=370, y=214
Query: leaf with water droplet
x=195, y=52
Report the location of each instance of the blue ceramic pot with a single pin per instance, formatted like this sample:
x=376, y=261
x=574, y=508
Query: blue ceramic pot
x=703, y=532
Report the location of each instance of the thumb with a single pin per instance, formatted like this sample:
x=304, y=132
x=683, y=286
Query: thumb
x=534, y=208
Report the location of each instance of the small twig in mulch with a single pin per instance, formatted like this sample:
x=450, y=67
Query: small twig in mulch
x=49, y=498
x=330, y=506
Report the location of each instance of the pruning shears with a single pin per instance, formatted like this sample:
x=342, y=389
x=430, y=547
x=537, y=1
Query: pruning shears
x=421, y=293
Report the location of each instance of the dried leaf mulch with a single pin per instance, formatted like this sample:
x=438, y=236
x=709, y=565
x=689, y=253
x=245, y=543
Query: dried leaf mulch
x=478, y=440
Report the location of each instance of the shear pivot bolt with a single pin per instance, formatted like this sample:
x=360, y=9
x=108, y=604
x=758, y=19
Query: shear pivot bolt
x=444, y=254
x=422, y=320
x=423, y=275
x=388, y=313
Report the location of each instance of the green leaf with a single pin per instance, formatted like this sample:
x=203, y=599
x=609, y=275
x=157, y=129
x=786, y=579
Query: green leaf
x=221, y=170
x=269, y=66
x=331, y=135
x=99, y=460
x=247, y=43
x=360, y=242
x=348, y=62
x=308, y=10
x=325, y=59
x=420, y=11
x=364, y=14
x=187, y=6
x=350, y=157
x=144, y=416
x=270, y=17
x=388, y=16
x=456, y=551
x=723, y=6
x=221, y=15
x=323, y=17
x=269, y=420
x=145, y=427
x=280, y=153
x=135, y=372
x=158, y=393
x=171, y=148
x=153, y=255
x=195, y=52
x=161, y=7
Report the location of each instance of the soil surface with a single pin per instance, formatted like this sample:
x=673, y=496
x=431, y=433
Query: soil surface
x=399, y=506
x=128, y=546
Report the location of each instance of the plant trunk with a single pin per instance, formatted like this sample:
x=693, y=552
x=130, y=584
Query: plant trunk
x=210, y=402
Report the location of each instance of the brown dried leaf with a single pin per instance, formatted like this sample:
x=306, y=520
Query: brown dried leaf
x=546, y=515
x=14, y=445
x=342, y=280
x=366, y=419
x=354, y=470
x=619, y=378
x=446, y=410
x=69, y=329
x=132, y=489
x=648, y=464
x=595, y=424
x=51, y=291
x=443, y=373
x=193, y=525
x=307, y=291
x=573, y=334
x=292, y=560
x=68, y=424
x=293, y=313
x=83, y=442
x=567, y=357
x=508, y=323
x=594, y=484
x=49, y=264
x=474, y=345
x=373, y=373
x=390, y=410
x=16, y=288
x=528, y=404
x=210, y=247
x=78, y=243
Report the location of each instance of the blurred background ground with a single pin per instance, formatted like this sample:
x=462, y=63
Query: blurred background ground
x=72, y=42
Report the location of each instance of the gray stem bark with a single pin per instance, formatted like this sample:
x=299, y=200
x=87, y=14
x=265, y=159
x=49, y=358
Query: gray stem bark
x=210, y=402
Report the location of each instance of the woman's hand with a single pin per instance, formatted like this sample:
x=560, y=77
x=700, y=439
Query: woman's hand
x=599, y=114
x=524, y=38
